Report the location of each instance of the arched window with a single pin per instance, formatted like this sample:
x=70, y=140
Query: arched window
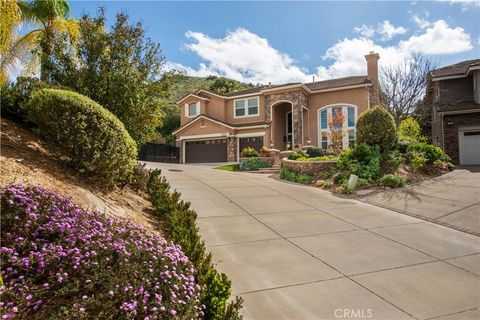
x=349, y=113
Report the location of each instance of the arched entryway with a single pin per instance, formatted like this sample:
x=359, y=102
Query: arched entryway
x=282, y=131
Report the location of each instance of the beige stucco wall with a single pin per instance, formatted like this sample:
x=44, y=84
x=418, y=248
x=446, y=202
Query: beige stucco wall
x=216, y=108
x=357, y=97
x=229, y=112
x=204, y=126
x=183, y=118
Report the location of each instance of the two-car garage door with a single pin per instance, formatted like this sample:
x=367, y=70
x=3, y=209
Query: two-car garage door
x=206, y=151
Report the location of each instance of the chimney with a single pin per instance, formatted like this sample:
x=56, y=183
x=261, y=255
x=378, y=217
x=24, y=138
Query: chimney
x=372, y=75
x=269, y=84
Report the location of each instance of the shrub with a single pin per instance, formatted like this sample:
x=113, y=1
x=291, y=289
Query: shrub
x=409, y=130
x=402, y=146
x=339, y=178
x=139, y=179
x=295, y=155
x=294, y=176
x=179, y=221
x=253, y=164
x=249, y=152
x=62, y=262
x=392, y=181
x=315, y=152
x=376, y=126
x=417, y=160
x=363, y=161
x=94, y=138
x=430, y=152
x=391, y=160
x=14, y=97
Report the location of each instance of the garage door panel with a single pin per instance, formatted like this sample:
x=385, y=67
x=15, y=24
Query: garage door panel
x=469, y=145
x=206, y=151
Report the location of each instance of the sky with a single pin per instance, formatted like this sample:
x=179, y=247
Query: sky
x=291, y=41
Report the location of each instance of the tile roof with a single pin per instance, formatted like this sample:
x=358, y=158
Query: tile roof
x=459, y=69
x=258, y=89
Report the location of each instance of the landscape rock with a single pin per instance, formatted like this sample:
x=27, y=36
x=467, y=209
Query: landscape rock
x=319, y=183
x=340, y=190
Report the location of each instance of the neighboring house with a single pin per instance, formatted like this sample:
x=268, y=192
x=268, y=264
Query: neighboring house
x=215, y=128
x=453, y=93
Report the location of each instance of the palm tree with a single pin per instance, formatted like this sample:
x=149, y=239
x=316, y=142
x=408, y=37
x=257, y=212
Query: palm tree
x=50, y=19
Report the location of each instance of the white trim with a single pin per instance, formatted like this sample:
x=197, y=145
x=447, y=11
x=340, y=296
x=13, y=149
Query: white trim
x=245, y=95
x=238, y=149
x=345, y=126
x=211, y=93
x=459, y=111
x=198, y=118
x=342, y=88
x=293, y=86
x=183, y=151
x=197, y=110
x=253, y=127
x=251, y=134
x=203, y=136
x=246, y=107
x=192, y=95
x=457, y=76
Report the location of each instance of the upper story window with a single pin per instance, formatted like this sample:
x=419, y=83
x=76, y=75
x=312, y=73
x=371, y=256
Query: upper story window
x=246, y=107
x=192, y=109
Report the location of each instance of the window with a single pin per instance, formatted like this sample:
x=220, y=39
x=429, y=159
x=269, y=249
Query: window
x=348, y=126
x=351, y=138
x=192, y=109
x=323, y=116
x=246, y=107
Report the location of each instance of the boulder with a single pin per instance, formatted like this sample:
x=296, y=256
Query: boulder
x=319, y=183
x=340, y=190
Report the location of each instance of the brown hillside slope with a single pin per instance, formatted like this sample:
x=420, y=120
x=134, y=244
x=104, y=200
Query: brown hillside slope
x=24, y=157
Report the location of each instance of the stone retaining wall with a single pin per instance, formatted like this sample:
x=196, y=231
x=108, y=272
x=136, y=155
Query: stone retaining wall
x=270, y=160
x=313, y=168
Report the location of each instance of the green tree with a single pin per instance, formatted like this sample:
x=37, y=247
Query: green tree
x=120, y=69
x=50, y=20
x=223, y=85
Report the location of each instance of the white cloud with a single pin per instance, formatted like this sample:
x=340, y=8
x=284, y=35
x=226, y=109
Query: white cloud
x=365, y=31
x=463, y=2
x=421, y=20
x=245, y=56
x=439, y=38
x=388, y=30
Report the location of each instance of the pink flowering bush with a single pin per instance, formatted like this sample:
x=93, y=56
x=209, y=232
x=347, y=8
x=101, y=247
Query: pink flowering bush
x=62, y=262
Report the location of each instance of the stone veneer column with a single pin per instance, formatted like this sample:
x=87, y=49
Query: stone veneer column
x=232, y=149
x=297, y=125
x=180, y=151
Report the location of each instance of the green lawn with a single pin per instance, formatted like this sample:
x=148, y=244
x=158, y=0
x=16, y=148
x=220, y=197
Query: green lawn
x=229, y=167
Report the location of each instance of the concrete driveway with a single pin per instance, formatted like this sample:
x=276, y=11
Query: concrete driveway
x=452, y=200
x=296, y=252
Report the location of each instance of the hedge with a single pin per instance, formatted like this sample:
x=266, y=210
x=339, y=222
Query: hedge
x=179, y=222
x=94, y=139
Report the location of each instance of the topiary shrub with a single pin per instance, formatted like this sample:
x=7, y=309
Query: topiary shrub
x=94, y=139
x=62, y=262
x=249, y=152
x=392, y=181
x=376, y=126
x=315, y=152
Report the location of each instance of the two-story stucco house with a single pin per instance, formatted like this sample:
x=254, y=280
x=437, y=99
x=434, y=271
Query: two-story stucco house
x=215, y=128
x=453, y=93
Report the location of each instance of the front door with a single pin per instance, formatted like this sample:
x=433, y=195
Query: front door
x=289, y=130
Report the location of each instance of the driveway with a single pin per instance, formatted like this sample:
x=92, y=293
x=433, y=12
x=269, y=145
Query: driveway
x=296, y=252
x=452, y=200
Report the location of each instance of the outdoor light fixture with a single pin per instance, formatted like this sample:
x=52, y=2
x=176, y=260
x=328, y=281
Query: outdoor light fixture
x=309, y=141
x=272, y=144
x=289, y=145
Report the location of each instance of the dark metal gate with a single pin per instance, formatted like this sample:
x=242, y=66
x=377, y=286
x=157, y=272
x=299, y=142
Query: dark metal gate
x=159, y=153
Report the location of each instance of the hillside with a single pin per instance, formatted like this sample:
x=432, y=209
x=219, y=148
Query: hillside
x=27, y=158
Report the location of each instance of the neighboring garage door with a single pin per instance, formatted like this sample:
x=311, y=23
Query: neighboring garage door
x=469, y=145
x=206, y=151
x=252, y=142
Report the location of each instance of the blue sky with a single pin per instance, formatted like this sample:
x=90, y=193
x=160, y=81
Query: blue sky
x=292, y=41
